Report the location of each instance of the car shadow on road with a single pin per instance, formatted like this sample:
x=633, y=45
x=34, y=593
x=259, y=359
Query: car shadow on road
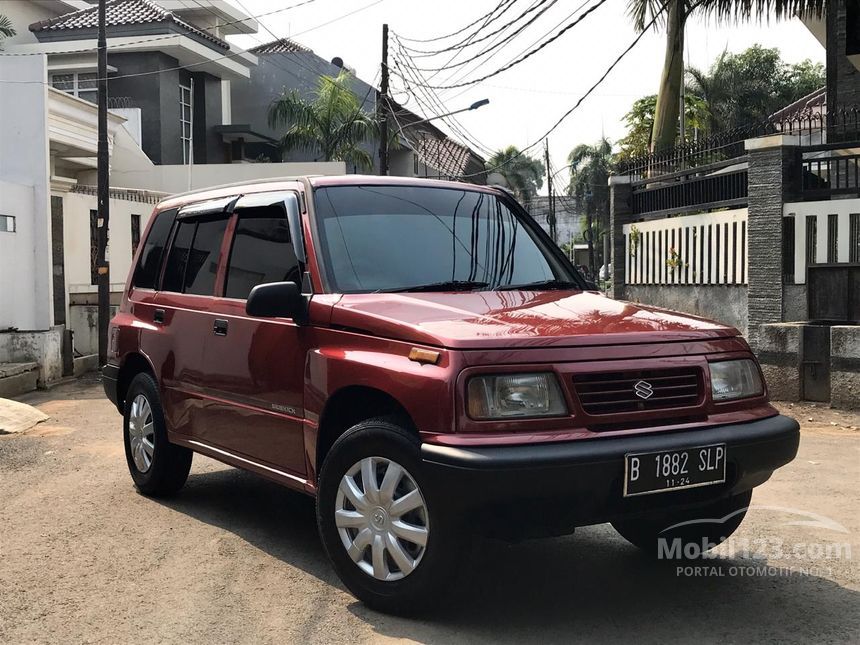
x=592, y=585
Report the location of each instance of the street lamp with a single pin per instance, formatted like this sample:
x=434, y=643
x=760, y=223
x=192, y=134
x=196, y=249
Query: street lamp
x=474, y=106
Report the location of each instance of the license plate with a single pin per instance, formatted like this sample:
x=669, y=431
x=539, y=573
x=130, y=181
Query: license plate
x=658, y=472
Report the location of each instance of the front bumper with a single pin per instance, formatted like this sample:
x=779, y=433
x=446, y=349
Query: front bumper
x=577, y=483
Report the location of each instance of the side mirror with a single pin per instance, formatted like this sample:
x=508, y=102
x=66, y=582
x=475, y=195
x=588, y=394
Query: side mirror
x=277, y=300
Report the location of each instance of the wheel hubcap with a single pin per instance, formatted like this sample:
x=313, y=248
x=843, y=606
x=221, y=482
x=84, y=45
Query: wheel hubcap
x=382, y=518
x=141, y=433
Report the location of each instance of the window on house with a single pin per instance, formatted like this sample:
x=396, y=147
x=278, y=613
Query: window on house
x=135, y=233
x=149, y=265
x=84, y=85
x=811, y=238
x=832, y=237
x=788, y=250
x=185, y=122
x=262, y=251
x=7, y=224
x=853, y=237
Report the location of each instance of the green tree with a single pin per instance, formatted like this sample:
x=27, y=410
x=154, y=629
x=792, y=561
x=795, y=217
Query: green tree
x=332, y=123
x=523, y=174
x=745, y=88
x=590, y=166
x=6, y=29
x=673, y=15
x=640, y=124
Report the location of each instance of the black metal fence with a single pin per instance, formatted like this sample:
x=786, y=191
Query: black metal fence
x=812, y=125
x=718, y=185
x=829, y=169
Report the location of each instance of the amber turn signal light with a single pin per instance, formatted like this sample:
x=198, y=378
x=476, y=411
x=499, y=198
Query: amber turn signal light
x=423, y=355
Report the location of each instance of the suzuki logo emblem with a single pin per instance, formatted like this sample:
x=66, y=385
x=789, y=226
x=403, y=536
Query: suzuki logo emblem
x=643, y=389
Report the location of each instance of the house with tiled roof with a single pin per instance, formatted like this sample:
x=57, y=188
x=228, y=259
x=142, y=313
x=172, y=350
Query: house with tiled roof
x=285, y=65
x=166, y=59
x=169, y=70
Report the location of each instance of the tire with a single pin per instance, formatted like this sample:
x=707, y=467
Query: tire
x=158, y=467
x=371, y=527
x=695, y=537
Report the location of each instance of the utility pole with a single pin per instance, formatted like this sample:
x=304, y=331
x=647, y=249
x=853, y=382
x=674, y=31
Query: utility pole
x=102, y=264
x=551, y=211
x=382, y=105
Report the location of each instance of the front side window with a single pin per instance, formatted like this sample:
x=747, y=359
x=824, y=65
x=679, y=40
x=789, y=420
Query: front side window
x=262, y=251
x=393, y=238
x=84, y=85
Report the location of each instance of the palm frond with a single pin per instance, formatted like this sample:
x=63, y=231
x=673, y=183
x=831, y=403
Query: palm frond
x=6, y=28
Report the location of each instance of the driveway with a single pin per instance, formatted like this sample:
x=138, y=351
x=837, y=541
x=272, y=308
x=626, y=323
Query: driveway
x=234, y=558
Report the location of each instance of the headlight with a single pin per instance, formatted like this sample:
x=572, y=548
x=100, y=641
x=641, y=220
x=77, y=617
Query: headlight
x=502, y=396
x=735, y=380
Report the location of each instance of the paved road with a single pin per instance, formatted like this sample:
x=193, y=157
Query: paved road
x=83, y=558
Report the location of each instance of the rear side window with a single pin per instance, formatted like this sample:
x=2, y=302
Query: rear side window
x=262, y=251
x=203, y=259
x=149, y=266
x=193, y=260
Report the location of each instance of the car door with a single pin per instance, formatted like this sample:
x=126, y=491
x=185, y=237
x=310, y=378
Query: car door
x=254, y=366
x=181, y=309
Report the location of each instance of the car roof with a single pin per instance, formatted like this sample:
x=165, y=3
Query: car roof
x=315, y=181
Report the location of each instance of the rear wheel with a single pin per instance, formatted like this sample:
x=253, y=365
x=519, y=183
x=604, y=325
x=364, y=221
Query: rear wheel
x=157, y=466
x=687, y=533
x=387, y=532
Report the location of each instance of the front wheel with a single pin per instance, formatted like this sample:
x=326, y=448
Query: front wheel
x=388, y=534
x=687, y=533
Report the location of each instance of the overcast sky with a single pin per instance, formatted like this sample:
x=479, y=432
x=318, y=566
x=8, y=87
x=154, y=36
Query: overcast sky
x=526, y=100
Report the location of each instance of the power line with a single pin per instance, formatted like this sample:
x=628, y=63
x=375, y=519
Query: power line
x=529, y=54
x=466, y=73
x=432, y=99
x=486, y=16
x=422, y=53
x=646, y=29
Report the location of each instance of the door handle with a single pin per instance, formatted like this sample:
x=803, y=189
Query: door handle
x=219, y=327
x=158, y=316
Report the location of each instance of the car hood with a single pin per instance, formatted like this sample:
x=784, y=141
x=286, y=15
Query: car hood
x=486, y=319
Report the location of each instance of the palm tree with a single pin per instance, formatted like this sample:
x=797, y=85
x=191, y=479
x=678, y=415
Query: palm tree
x=332, y=123
x=590, y=166
x=523, y=174
x=747, y=87
x=642, y=12
x=6, y=29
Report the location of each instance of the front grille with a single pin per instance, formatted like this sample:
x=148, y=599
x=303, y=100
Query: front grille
x=614, y=392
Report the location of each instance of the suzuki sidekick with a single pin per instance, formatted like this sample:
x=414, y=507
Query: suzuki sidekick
x=420, y=357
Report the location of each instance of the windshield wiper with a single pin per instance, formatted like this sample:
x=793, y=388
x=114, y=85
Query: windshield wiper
x=448, y=285
x=543, y=285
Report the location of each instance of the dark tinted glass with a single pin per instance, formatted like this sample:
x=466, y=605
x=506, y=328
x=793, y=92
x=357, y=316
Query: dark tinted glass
x=148, y=268
x=262, y=251
x=395, y=237
x=174, y=272
x=203, y=259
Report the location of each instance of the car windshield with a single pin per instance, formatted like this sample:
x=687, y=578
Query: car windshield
x=412, y=238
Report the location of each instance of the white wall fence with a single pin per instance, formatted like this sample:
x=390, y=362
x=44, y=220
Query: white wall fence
x=710, y=248
x=825, y=232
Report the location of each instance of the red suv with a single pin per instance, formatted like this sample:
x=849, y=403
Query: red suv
x=423, y=359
